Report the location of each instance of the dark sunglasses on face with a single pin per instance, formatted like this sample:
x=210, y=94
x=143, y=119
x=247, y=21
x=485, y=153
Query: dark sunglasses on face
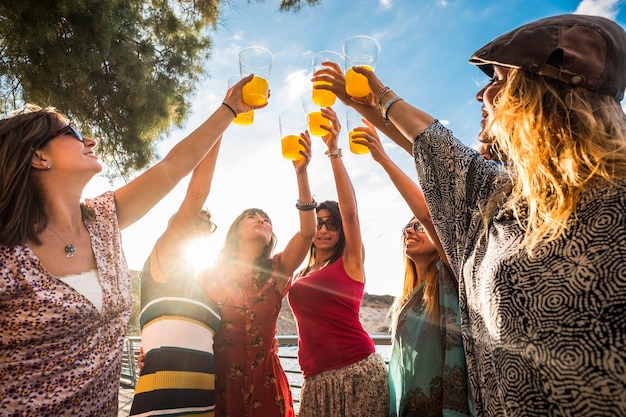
x=416, y=226
x=68, y=130
x=330, y=223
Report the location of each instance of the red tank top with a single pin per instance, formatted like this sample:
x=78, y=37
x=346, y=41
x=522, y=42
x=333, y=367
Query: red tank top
x=326, y=305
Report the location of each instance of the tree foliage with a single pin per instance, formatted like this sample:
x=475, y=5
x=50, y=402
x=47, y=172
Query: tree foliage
x=123, y=71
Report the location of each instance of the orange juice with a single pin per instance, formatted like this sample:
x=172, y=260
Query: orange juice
x=291, y=147
x=356, y=84
x=255, y=91
x=244, y=119
x=357, y=148
x=323, y=98
x=315, y=120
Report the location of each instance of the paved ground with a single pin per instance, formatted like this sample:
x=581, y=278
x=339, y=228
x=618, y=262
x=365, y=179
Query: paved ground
x=126, y=399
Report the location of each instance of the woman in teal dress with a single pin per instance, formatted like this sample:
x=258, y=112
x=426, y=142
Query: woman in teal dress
x=427, y=375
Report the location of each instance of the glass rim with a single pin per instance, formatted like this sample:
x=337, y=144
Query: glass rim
x=259, y=48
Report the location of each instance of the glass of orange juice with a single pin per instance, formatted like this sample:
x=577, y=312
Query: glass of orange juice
x=242, y=119
x=354, y=120
x=359, y=51
x=314, y=116
x=258, y=61
x=292, y=123
x=325, y=98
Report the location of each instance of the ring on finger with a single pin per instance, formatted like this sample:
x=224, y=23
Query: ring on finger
x=370, y=138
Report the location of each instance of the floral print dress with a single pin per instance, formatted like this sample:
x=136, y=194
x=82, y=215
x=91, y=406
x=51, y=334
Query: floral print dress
x=250, y=380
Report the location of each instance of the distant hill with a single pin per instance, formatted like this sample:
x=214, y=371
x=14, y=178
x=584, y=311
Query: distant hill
x=374, y=312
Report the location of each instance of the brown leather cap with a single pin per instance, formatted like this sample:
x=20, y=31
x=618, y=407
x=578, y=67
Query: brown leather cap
x=585, y=51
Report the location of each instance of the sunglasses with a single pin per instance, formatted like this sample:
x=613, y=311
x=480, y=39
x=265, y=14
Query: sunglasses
x=68, y=130
x=331, y=224
x=416, y=226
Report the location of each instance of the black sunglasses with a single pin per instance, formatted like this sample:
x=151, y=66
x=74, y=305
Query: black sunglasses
x=417, y=226
x=68, y=130
x=331, y=224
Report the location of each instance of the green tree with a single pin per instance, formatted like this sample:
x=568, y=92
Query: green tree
x=123, y=71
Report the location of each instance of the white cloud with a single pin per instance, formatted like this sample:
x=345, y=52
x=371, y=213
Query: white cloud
x=604, y=8
x=386, y=4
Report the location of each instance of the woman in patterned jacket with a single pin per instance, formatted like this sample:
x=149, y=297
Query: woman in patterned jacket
x=539, y=247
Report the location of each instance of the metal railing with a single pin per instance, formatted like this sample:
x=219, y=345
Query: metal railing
x=289, y=361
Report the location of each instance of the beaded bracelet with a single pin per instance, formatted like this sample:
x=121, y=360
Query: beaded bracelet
x=302, y=206
x=335, y=153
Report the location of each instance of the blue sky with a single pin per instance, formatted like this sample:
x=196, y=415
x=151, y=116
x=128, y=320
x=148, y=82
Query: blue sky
x=425, y=47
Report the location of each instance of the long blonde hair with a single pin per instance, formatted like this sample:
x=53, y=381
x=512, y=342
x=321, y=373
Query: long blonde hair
x=411, y=279
x=558, y=139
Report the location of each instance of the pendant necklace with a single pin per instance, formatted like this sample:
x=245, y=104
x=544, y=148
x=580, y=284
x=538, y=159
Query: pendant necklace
x=69, y=247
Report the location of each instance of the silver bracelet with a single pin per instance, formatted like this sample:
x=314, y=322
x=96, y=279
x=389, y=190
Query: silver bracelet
x=388, y=104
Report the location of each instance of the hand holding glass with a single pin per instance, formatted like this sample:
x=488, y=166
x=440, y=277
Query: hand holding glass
x=325, y=98
x=314, y=116
x=242, y=119
x=292, y=123
x=359, y=51
x=353, y=119
x=258, y=61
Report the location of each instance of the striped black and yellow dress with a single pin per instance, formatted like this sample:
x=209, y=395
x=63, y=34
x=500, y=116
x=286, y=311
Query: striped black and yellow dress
x=178, y=322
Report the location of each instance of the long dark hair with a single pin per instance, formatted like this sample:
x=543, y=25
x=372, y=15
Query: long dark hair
x=22, y=215
x=335, y=214
x=228, y=254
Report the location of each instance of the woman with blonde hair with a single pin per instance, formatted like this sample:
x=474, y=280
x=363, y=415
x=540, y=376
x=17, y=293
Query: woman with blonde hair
x=539, y=247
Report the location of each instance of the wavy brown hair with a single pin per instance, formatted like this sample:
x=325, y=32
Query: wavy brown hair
x=559, y=139
x=22, y=216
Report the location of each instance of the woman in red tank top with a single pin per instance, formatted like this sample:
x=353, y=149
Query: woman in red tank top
x=343, y=374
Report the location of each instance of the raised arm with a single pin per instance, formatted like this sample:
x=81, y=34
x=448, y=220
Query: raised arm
x=408, y=121
x=140, y=195
x=296, y=250
x=409, y=190
x=353, y=254
x=181, y=227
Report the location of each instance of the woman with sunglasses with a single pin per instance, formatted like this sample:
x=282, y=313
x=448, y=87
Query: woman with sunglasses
x=343, y=374
x=427, y=373
x=248, y=283
x=65, y=294
x=178, y=320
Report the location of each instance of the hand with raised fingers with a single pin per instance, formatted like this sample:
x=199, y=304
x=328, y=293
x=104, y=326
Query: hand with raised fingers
x=331, y=138
x=234, y=97
x=301, y=164
x=332, y=79
x=368, y=136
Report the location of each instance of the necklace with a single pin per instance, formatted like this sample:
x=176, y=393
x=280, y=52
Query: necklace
x=69, y=247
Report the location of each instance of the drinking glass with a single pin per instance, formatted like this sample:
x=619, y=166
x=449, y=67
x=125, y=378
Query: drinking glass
x=314, y=116
x=359, y=51
x=258, y=61
x=325, y=98
x=292, y=123
x=354, y=120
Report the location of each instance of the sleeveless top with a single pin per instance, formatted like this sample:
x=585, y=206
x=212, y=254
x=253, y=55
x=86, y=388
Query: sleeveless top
x=177, y=323
x=326, y=305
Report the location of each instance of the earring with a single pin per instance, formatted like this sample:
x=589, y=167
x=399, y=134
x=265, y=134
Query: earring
x=48, y=166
